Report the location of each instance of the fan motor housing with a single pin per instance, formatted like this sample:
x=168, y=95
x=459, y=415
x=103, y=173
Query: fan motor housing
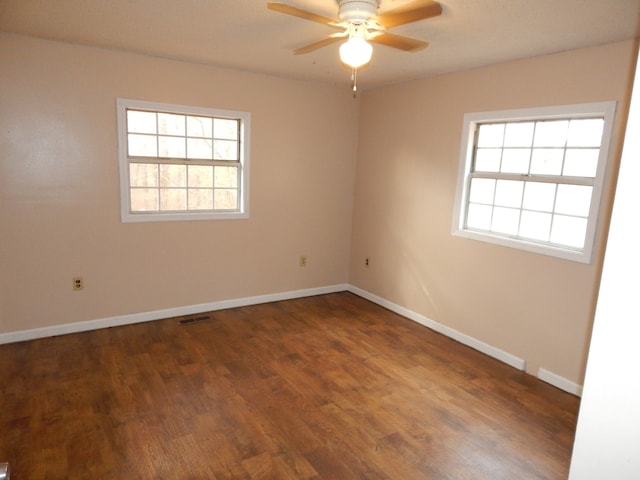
x=357, y=11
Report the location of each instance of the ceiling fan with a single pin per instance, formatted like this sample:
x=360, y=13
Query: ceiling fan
x=360, y=23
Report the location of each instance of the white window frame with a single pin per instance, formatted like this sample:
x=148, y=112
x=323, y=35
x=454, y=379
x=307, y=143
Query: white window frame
x=605, y=110
x=128, y=216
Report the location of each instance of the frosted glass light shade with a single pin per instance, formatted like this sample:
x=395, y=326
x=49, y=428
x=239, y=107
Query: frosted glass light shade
x=356, y=52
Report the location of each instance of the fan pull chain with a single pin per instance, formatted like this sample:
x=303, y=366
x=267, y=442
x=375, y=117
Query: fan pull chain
x=354, y=82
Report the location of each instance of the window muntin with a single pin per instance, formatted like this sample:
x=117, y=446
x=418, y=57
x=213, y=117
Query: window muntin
x=532, y=179
x=182, y=163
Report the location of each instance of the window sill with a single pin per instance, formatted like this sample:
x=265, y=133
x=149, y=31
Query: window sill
x=177, y=217
x=581, y=256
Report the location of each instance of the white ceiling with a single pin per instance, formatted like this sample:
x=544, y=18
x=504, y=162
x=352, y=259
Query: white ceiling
x=244, y=34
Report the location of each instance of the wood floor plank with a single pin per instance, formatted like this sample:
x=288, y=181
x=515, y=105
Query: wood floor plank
x=319, y=388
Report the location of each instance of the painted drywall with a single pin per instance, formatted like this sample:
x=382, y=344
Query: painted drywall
x=535, y=307
x=608, y=432
x=60, y=197
x=59, y=194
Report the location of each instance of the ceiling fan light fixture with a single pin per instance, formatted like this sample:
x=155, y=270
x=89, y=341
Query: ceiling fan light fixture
x=360, y=21
x=356, y=52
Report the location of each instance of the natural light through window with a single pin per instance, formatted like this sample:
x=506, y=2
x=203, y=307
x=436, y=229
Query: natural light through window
x=182, y=162
x=532, y=179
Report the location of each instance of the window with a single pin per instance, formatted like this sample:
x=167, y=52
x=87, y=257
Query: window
x=182, y=163
x=532, y=179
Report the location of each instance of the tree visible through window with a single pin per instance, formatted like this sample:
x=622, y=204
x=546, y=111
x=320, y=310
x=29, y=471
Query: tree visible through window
x=533, y=179
x=182, y=162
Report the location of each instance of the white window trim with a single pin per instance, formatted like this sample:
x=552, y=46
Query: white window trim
x=125, y=202
x=471, y=120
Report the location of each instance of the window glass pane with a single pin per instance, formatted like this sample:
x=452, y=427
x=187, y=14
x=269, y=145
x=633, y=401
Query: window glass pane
x=142, y=146
x=199, y=148
x=226, y=177
x=535, y=225
x=509, y=193
x=144, y=199
x=581, y=162
x=200, y=199
x=482, y=190
x=225, y=199
x=573, y=200
x=479, y=216
x=171, y=124
x=179, y=159
x=569, y=231
x=519, y=134
x=173, y=199
x=225, y=150
x=143, y=174
x=488, y=159
x=551, y=133
x=201, y=127
x=172, y=147
x=539, y=196
x=505, y=220
x=223, y=128
x=491, y=135
x=546, y=161
x=200, y=176
x=515, y=160
x=533, y=176
x=141, y=122
x=585, y=132
x=173, y=176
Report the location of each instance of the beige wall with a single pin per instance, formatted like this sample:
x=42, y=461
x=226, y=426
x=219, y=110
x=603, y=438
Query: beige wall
x=59, y=191
x=535, y=307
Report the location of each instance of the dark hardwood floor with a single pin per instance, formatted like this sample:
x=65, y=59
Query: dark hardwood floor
x=330, y=387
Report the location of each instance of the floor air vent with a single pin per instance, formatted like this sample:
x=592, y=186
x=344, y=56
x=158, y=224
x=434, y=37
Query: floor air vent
x=194, y=319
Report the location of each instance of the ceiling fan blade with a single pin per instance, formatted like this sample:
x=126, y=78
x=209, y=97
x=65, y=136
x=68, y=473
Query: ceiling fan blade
x=336, y=37
x=397, y=41
x=298, y=12
x=411, y=12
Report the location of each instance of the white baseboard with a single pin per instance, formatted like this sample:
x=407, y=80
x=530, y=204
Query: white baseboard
x=119, y=320
x=505, y=357
x=485, y=348
x=560, y=382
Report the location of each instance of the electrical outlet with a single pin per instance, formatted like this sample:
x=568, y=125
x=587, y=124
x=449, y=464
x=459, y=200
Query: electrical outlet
x=78, y=283
x=303, y=260
x=366, y=262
